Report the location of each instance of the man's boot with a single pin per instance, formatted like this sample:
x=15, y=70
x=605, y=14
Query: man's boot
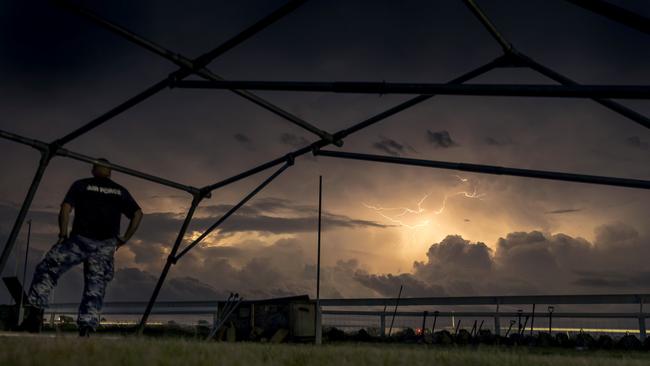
x=33, y=321
x=84, y=331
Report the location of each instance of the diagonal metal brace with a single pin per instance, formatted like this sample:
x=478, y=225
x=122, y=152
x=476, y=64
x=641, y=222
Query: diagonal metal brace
x=506, y=90
x=491, y=169
x=234, y=209
x=615, y=13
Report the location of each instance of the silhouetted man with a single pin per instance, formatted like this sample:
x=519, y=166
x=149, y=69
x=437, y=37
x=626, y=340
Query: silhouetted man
x=98, y=203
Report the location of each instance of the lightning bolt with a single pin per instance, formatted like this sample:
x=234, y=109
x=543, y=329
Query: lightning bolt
x=400, y=212
x=474, y=194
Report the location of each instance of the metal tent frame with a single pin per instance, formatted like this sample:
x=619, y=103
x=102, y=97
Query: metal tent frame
x=510, y=58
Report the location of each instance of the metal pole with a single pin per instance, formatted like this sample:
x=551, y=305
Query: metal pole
x=435, y=319
x=532, y=321
x=512, y=322
x=424, y=322
x=497, y=322
x=642, y=328
x=487, y=23
x=132, y=172
x=615, y=13
x=36, y=144
x=59, y=151
x=124, y=106
x=320, y=207
x=392, y=321
x=523, y=328
x=506, y=90
x=170, y=260
x=21, y=311
x=42, y=165
x=491, y=169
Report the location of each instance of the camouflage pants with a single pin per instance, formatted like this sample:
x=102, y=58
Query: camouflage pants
x=97, y=257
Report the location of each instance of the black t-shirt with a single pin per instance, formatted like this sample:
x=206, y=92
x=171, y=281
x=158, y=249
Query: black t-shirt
x=98, y=204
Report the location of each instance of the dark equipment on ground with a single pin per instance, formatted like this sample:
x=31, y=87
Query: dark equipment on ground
x=273, y=320
x=9, y=314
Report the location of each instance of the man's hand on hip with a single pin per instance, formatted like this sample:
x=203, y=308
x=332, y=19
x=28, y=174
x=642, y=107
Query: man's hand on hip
x=120, y=241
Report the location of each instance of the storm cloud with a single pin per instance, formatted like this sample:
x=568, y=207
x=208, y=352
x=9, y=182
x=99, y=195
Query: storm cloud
x=293, y=141
x=636, y=142
x=526, y=263
x=440, y=139
x=392, y=147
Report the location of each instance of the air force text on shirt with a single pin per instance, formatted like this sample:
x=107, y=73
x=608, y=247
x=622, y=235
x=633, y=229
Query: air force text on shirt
x=104, y=190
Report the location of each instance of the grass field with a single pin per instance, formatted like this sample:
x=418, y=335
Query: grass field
x=52, y=351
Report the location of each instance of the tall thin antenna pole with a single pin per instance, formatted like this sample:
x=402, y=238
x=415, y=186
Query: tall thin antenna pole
x=320, y=209
x=21, y=312
x=399, y=295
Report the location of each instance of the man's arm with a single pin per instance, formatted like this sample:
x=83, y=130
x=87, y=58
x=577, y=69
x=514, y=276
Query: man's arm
x=64, y=219
x=133, y=226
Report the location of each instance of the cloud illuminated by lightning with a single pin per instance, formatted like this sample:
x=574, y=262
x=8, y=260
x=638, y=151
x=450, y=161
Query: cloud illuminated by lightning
x=399, y=212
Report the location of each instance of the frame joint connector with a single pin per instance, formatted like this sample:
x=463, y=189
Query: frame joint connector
x=511, y=58
x=291, y=159
x=201, y=193
x=330, y=138
x=50, y=150
x=315, y=150
x=333, y=140
x=173, y=79
x=172, y=259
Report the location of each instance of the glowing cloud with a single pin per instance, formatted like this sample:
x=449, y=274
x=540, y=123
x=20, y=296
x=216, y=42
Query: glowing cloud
x=396, y=215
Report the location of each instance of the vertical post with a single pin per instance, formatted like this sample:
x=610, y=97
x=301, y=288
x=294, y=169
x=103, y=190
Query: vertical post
x=435, y=319
x=319, y=330
x=36, y=181
x=497, y=322
x=532, y=321
x=424, y=322
x=392, y=321
x=642, y=330
x=215, y=316
x=21, y=311
x=168, y=264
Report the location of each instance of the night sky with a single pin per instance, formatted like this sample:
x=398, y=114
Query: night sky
x=436, y=232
